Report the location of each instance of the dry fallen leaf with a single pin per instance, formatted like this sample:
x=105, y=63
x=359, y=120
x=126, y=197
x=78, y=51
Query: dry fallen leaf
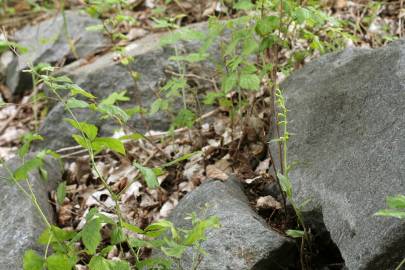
x=215, y=173
x=267, y=202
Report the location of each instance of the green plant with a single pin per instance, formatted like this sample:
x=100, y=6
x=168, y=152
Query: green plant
x=251, y=61
x=66, y=244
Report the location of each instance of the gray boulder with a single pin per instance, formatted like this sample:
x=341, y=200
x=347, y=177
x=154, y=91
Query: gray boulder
x=347, y=111
x=20, y=221
x=244, y=240
x=48, y=42
x=106, y=75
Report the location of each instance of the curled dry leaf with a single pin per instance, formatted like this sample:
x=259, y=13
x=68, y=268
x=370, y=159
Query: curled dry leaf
x=132, y=191
x=100, y=198
x=263, y=166
x=65, y=214
x=215, y=173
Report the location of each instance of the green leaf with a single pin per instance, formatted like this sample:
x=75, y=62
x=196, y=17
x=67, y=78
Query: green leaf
x=295, y=233
x=61, y=192
x=244, y=5
x=115, y=97
x=191, y=58
x=113, y=111
x=60, y=262
x=132, y=228
x=6, y=45
x=117, y=235
x=88, y=129
x=396, y=201
x=102, y=143
x=285, y=184
x=197, y=233
x=91, y=235
x=173, y=249
x=27, y=140
x=73, y=103
x=32, y=261
x=177, y=160
x=184, y=118
x=119, y=265
x=99, y=263
x=81, y=141
x=148, y=175
x=22, y=172
x=249, y=82
x=391, y=213
x=158, y=105
x=133, y=136
x=229, y=82
x=95, y=28
x=76, y=90
x=267, y=25
x=152, y=263
x=302, y=14
x=55, y=234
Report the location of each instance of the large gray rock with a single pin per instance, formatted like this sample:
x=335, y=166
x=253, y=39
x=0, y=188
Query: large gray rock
x=106, y=75
x=347, y=111
x=47, y=42
x=244, y=240
x=20, y=222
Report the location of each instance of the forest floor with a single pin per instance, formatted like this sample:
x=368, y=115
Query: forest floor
x=223, y=147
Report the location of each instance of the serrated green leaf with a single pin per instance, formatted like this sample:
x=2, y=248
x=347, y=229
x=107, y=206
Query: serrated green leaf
x=229, y=82
x=148, y=175
x=60, y=262
x=98, y=263
x=267, y=25
x=152, y=263
x=184, y=118
x=55, y=234
x=32, y=261
x=119, y=265
x=91, y=235
x=244, y=5
x=117, y=235
x=249, y=82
